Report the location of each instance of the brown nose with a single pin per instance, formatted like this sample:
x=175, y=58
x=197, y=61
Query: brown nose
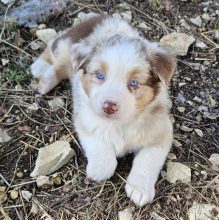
x=110, y=107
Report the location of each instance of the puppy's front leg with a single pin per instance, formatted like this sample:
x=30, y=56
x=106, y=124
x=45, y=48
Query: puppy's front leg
x=144, y=173
x=101, y=158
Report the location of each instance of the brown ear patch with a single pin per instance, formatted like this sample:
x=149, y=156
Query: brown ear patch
x=163, y=65
x=80, y=31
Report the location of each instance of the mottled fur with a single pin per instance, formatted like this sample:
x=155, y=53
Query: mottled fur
x=137, y=119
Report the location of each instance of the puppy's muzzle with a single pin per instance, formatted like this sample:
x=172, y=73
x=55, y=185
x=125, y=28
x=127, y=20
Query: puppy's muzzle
x=110, y=107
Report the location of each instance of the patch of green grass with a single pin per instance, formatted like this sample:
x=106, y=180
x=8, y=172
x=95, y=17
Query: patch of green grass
x=15, y=75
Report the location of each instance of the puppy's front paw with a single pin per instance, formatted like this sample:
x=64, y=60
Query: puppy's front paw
x=141, y=191
x=101, y=170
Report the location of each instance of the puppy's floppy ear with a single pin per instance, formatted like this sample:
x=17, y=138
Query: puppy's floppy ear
x=163, y=65
x=80, y=53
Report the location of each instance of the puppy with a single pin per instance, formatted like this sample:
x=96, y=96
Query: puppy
x=120, y=98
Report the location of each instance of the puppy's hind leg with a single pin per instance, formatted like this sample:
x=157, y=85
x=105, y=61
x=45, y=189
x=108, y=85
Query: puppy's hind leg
x=44, y=71
x=53, y=65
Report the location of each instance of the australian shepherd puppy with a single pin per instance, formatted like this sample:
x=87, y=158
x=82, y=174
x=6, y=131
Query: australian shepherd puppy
x=119, y=82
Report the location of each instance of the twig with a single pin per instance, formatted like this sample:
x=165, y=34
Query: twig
x=4, y=22
x=23, y=184
x=15, y=47
x=2, y=177
x=5, y=215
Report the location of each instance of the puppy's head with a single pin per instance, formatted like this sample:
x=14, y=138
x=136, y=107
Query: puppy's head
x=122, y=75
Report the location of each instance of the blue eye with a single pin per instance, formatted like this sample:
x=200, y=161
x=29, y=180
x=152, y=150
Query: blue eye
x=100, y=75
x=133, y=83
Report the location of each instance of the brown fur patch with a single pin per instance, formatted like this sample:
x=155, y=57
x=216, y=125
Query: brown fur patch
x=86, y=81
x=144, y=96
x=90, y=78
x=157, y=109
x=154, y=82
x=104, y=67
x=159, y=140
x=63, y=71
x=147, y=89
x=80, y=31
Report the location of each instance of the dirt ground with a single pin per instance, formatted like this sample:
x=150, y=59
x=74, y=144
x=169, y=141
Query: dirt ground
x=194, y=88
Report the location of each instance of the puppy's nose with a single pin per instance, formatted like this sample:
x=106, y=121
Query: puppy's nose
x=110, y=107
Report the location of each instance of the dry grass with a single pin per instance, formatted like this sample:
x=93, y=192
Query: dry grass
x=77, y=196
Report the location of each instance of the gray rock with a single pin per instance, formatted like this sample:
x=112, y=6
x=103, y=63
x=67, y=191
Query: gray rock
x=33, y=107
x=216, y=35
x=197, y=99
x=199, y=132
x=206, y=17
x=200, y=44
x=56, y=103
x=185, y=128
x=200, y=211
x=34, y=208
x=155, y=216
x=36, y=45
x=52, y=157
x=127, y=15
x=180, y=109
x=196, y=21
x=180, y=98
x=171, y=156
x=143, y=26
x=46, y=35
x=4, y=137
x=178, y=172
x=184, y=24
x=177, y=43
x=43, y=182
x=214, y=159
x=26, y=195
x=124, y=5
x=176, y=143
x=211, y=115
x=125, y=214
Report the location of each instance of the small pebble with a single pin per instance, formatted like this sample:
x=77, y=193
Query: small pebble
x=171, y=156
x=67, y=188
x=5, y=62
x=34, y=208
x=196, y=21
x=197, y=99
x=180, y=109
x=14, y=194
x=19, y=174
x=43, y=182
x=57, y=180
x=213, y=103
x=26, y=195
x=2, y=189
x=206, y=17
x=199, y=132
x=176, y=143
x=185, y=128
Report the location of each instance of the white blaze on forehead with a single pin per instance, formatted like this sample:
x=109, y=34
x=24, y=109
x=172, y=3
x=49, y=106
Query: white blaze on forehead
x=121, y=58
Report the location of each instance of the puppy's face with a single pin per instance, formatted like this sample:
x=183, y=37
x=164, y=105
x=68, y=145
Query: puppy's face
x=121, y=76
